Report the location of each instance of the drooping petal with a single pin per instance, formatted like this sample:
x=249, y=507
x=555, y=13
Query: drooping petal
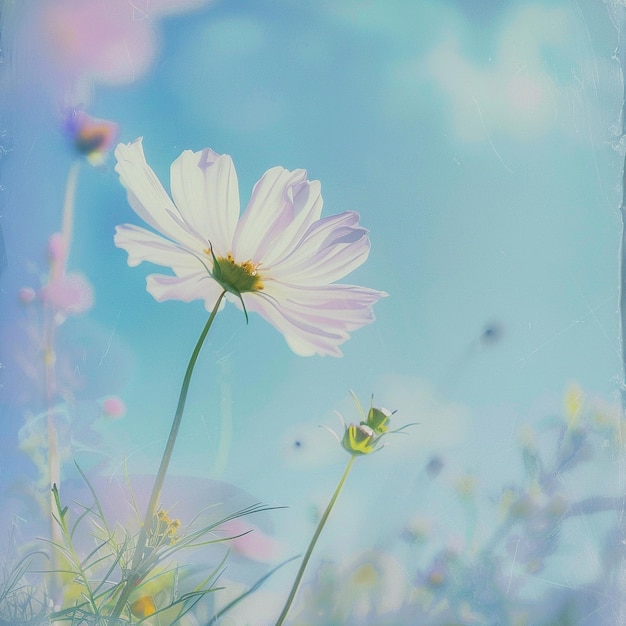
x=315, y=320
x=303, y=339
x=204, y=188
x=147, y=196
x=277, y=198
x=199, y=286
x=331, y=306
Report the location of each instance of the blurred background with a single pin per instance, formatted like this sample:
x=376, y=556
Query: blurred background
x=480, y=141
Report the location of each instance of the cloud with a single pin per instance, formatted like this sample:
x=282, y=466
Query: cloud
x=514, y=92
x=535, y=73
x=441, y=424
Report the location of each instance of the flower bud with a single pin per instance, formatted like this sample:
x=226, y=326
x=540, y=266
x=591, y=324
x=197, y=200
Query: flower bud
x=378, y=420
x=91, y=137
x=359, y=439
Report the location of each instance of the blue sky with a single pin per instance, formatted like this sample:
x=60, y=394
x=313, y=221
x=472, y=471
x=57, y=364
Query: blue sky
x=481, y=207
x=479, y=148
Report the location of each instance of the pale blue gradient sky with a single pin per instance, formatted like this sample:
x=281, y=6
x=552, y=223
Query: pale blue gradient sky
x=478, y=147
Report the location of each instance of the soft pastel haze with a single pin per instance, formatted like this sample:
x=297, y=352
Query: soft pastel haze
x=469, y=156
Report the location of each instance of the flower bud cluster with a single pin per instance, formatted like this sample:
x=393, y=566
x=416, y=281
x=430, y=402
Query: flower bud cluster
x=165, y=529
x=365, y=437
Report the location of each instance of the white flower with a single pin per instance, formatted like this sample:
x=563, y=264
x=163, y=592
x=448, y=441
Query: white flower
x=280, y=259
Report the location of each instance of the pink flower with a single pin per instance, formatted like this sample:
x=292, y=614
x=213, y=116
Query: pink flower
x=114, y=42
x=280, y=259
x=251, y=542
x=113, y=407
x=26, y=295
x=68, y=293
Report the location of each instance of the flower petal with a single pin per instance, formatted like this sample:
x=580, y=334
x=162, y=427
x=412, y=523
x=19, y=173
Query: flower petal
x=308, y=206
x=303, y=339
x=332, y=248
x=147, y=196
x=315, y=320
x=204, y=188
x=281, y=201
x=144, y=245
x=185, y=288
x=332, y=306
x=326, y=231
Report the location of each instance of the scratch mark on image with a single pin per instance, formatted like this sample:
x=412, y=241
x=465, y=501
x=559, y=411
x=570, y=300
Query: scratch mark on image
x=488, y=135
x=110, y=341
x=556, y=335
x=513, y=562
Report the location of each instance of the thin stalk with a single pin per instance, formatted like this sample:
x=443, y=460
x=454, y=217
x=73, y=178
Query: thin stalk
x=316, y=534
x=135, y=575
x=67, y=226
x=57, y=267
x=69, y=544
x=621, y=611
x=622, y=292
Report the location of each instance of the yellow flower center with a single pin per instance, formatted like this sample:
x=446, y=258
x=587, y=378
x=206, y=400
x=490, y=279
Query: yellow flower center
x=235, y=277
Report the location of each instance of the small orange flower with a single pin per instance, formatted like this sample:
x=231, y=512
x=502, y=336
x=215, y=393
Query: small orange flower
x=143, y=607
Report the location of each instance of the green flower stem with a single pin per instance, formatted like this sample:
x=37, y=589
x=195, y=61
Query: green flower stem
x=316, y=534
x=136, y=572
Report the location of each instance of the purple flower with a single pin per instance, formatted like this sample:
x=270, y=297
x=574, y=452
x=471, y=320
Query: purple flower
x=91, y=137
x=280, y=259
